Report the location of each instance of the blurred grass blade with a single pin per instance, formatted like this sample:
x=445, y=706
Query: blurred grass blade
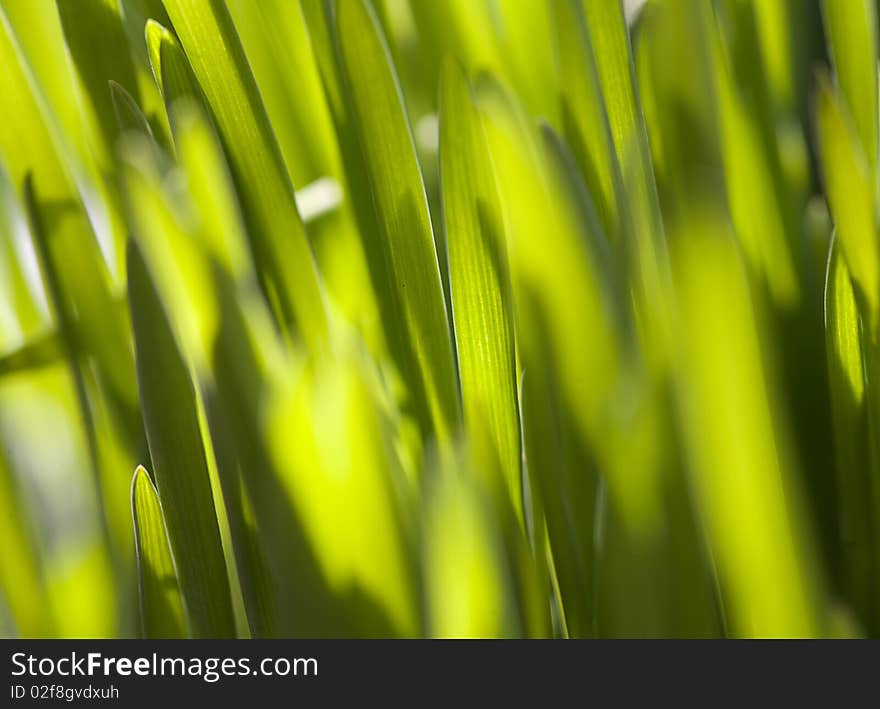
x=761, y=546
x=479, y=280
x=162, y=614
x=21, y=574
x=757, y=208
x=128, y=113
x=847, y=382
x=180, y=467
x=850, y=190
x=329, y=437
x=40, y=351
x=610, y=40
x=467, y=580
x=851, y=29
x=65, y=317
x=285, y=63
x=526, y=29
x=100, y=52
x=405, y=242
x=281, y=252
x=609, y=36
x=584, y=120
x=460, y=28
x=248, y=548
x=28, y=146
x=221, y=229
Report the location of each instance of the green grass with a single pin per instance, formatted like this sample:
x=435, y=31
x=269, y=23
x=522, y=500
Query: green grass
x=439, y=318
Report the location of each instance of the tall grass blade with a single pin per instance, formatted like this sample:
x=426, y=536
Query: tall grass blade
x=162, y=614
x=284, y=262
x=178, y=456
x=405, y=241
x=479, y=278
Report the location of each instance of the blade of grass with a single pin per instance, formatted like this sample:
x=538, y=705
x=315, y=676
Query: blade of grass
x=850, y=190
x=849, y=408
x=171, y=71
x=737, y=446
x=527, y=45
x=284, y=262
x=756, y=205
x=584, y=120
x=29, y=146
x=221, y=233
x=610, y=40
x=609, y=36
x=553, y=358
x=479, y=280
x=221, y=228
x=467, y=579
x=180, y=467
x=331, y=442
x=162, y=614
x=460, y=28
x=99, y=49
x=405, y=242
x=278, y=48
x=66, y=328
x=281, y=54
x=851, y=29
x=128, y=114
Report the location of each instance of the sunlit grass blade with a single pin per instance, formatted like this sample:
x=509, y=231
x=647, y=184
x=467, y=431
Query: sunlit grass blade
x=180, y=467
x=279, y=51
x=851, y=31
x=527, y=45
x=546, y=272
x=405, y=242
x=584, y=120
x=847, y=381
x=647, y=250
x=737, y=440
x=268, y=548
x=610, y=40
x=285, y=65
x=460, y=28
x=248, y=547
x=162, y=613
x=283, y=461
x=348, y=498
x=849, y=187
x=757, y=207
x=633, y=506
x=479, y=280
x=284, y=262
x=221, y=234
x=100, y=52
x=221, y=229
